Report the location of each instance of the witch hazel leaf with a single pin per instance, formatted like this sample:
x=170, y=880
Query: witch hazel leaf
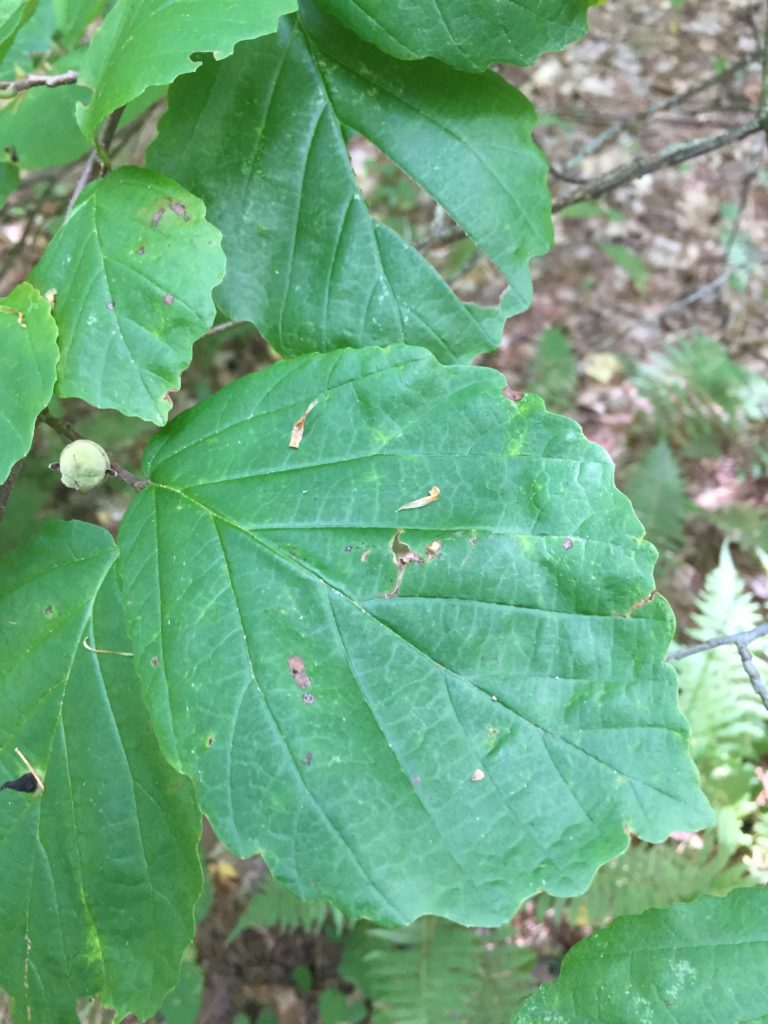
x=344, y=679
x=468, y=36
x=277, y=115
x=700, y=961
x=28, y=357
x=133, y=268
x=99, y=814
x=142, y=43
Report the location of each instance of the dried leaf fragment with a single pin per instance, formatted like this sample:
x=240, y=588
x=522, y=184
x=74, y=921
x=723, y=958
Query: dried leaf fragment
x=298, y=427
x=434, y=494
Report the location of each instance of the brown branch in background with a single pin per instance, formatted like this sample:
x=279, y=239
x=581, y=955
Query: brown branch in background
x=14, y=86
x=6, y=488
x=741, y=642
x=762, y=103
x=67, y=430
x=670, y=156
x=97, y=164
x=615, y=129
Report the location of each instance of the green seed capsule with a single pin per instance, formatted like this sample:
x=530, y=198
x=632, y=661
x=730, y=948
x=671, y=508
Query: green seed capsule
x=83, y=465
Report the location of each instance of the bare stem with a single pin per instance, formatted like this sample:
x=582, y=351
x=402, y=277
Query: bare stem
x=97, y=164
x=670, y=156
x=6, y=488
x=14, y=86
x=741, y=642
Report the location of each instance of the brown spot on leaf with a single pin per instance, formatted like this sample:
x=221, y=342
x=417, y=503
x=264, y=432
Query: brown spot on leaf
x=110, y=305
x=179, y=209
x=307, y=759
x=157, y=217
x=416, y=780
x=154, y=661
x=140, y=251
x=308, y=698
x=434, y=549
x=348, y=547
x=513, y=395
x=365, y=554
x=638, y=604
x=209, y=741
x=48, y=611
x=478, y=775
x=168, y=300
x=567, y=544
x=299, y=673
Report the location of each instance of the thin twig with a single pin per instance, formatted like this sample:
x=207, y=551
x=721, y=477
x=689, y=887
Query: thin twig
x=97, y=164
x=670, y=156
x=762, y=103
x=6, y=488
x=658, y=107
x=67, y=430
x=741, y=642
x=10, y=88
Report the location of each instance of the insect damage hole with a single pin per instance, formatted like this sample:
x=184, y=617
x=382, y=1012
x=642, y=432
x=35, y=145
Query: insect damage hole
x=402, y=555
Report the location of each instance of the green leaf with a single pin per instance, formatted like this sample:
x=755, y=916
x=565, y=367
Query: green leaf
x=101, y=868
x=73, y=17
x=702, y=961
x=149, y=42
x=634, y=265
x=262, y=138
x=133, y=266
x=13, y=15
x=468, y=36
x=28, y=356
x=553, y=369
x=40, y=123
x=508, y=650
x=655, y=488
x=182, y=1004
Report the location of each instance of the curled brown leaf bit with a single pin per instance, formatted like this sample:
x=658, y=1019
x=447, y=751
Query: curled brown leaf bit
x=434, y=494
x=298, y=427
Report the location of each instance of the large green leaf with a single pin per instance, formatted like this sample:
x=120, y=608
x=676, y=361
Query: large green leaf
x=13, y=15
x=472, y=35
x=100, y=870
x=150, y=42
x=261, y=137
x=40, y=124
x=694, y=963
x=133, y=266
x=28, y=357
x=73, y=16
x=486, y=732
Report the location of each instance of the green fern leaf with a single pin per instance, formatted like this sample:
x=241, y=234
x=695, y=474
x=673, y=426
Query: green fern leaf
x=272, y=906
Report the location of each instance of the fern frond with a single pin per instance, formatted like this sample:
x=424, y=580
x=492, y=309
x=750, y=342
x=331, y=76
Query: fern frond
x=507, y=978
x=650, y=876
x=655, y=488
x=272, y=906
x=428, y=973
x=727, y=720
